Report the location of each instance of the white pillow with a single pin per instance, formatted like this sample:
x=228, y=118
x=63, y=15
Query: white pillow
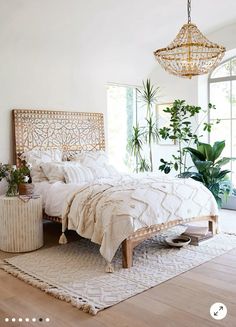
x=98, y=157
x=77, y=174
x=36, y=157
x=98, y=162
x=47, y=155
x=54, y=170
x=97, y=170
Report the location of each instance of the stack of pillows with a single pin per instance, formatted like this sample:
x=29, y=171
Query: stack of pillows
x=47, y=165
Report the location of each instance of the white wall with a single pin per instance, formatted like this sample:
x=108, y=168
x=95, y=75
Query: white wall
x=59, y=54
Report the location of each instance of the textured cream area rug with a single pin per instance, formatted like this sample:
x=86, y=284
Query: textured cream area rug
x=75, y=272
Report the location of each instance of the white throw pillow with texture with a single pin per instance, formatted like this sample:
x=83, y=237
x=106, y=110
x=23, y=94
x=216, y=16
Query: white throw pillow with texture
x=77, y=174
x=99, y=157
x=98, y=162
x=54, y=171
x=36, y=157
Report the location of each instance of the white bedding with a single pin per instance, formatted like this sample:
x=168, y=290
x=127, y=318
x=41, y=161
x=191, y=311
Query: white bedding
x=108, y=210
x=54, y=196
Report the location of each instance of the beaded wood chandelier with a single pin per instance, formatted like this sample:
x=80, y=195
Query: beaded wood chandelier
x=191, y=53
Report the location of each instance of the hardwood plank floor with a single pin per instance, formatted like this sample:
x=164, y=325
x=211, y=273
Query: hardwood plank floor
x=182, y=301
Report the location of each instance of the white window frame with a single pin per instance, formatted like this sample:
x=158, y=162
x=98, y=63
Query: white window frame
x=231, y=203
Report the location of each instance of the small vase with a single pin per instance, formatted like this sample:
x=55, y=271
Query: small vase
x=3, y=186
x=12, y=190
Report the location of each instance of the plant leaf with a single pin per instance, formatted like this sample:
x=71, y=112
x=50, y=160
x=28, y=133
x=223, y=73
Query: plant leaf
x=217, y=149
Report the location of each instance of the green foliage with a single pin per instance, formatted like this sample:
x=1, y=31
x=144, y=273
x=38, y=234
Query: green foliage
x=143, y=165
x=182, y=133
x=146, y=134
x=209, y=169
x=14, y=177
x=135, y=144
x=148, y=96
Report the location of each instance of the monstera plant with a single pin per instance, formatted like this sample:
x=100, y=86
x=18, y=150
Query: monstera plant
x=208, y=164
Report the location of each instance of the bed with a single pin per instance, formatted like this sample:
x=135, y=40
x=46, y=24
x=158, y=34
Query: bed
x=76, y=132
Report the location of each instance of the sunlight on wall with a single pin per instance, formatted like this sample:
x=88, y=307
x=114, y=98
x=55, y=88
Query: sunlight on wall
x=121, y=116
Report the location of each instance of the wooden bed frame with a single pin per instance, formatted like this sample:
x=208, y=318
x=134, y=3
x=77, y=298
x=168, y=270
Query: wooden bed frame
x=75, y=132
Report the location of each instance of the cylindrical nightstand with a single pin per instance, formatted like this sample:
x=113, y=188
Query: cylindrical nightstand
x=21, y=224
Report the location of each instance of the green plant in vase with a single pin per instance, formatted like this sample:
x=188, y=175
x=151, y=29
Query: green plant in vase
x=15, y=176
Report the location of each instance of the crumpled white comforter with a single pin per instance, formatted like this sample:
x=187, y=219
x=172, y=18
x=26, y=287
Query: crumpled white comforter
x=107, y=211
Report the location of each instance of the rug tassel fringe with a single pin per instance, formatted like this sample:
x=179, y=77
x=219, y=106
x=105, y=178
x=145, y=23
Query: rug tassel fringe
x=109, y=268
x=63, y=239
x=44, y=286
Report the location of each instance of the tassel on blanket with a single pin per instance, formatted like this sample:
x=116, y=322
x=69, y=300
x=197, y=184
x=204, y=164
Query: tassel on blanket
x=109, y=268
x=63, y=239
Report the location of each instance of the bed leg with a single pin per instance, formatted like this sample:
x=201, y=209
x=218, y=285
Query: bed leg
x=213, y=225
x=127, y=253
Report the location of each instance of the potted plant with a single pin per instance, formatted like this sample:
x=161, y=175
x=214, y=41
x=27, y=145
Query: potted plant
x=183, y=132
x=209, y=169
x=25, y=185
x=18, y=179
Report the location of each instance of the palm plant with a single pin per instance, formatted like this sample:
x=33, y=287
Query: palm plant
x=135, y=144
x=209, y=169
x=145, y=134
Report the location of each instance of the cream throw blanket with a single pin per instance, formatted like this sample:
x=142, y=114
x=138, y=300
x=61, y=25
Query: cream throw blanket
x=107, y=211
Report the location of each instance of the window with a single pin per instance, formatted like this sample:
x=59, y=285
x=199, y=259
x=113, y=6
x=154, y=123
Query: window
x=121, y=117
x=222, y=90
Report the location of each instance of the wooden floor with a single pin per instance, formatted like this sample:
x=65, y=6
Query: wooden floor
x=182, y=301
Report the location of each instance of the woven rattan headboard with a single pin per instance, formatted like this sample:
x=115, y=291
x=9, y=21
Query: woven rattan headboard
x=45, y=129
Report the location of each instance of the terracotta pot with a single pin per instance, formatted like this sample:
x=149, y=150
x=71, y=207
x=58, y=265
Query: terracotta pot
x=26, y=189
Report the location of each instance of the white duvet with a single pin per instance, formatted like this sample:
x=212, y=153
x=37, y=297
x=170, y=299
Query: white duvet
x=108, y=210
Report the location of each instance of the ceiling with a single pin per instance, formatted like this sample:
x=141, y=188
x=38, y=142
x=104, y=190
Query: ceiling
x=113, y=33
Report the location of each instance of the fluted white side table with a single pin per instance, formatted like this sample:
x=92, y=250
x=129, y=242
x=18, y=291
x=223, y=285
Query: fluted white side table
x=21, y=224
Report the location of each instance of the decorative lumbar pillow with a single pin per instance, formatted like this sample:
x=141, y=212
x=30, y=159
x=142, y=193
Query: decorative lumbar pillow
x=36, y=157
x=77, y=174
